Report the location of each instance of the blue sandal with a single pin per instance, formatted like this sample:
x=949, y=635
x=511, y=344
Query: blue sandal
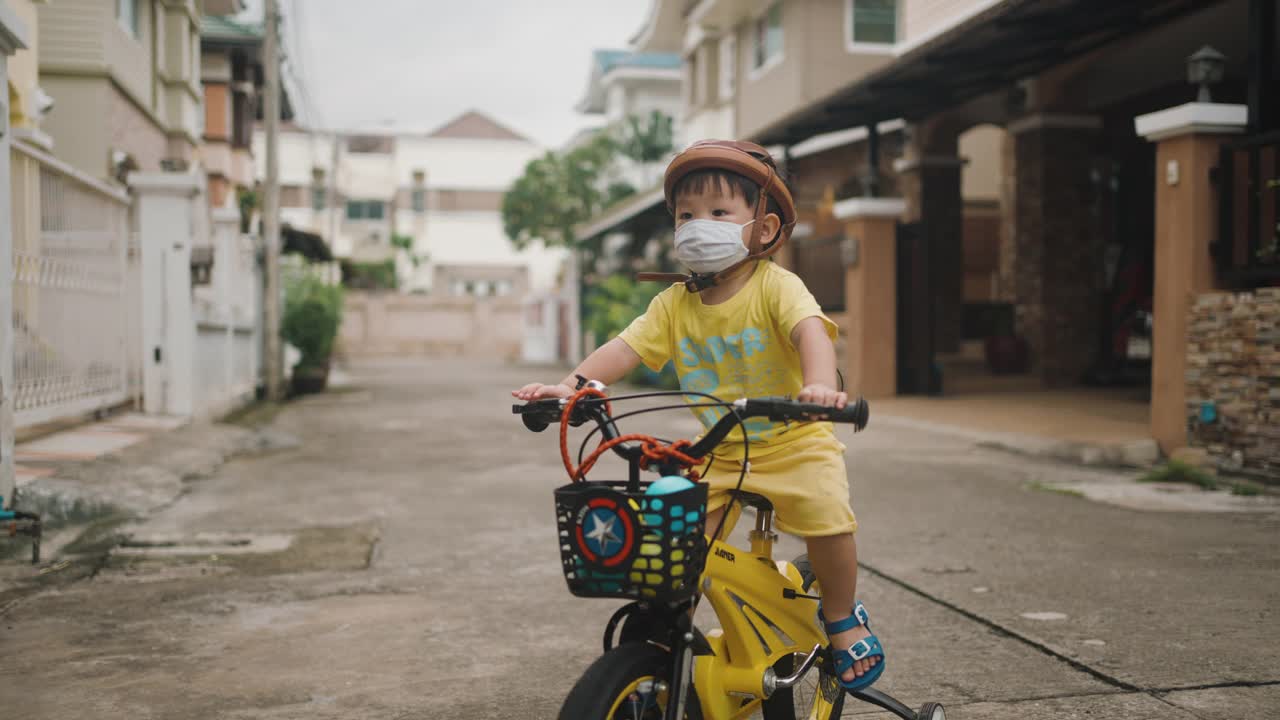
x=866, y=648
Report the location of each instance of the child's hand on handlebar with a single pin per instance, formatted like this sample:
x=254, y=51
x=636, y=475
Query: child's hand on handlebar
x=823, y=395
x=538, y=391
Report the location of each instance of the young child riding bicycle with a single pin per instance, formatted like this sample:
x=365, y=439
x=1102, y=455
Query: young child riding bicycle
x=740, y=326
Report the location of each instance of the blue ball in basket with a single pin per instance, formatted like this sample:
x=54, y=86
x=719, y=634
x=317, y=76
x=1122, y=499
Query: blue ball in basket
x=668, y=485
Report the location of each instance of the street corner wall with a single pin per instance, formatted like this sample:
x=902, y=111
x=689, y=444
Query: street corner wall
x=1233, y=365
x=387, y=324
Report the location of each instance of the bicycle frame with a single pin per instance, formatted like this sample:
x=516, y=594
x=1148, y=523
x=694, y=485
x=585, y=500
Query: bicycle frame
x=760, y=624
x=764, y=612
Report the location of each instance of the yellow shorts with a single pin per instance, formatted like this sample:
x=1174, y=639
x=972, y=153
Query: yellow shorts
x=804, y=479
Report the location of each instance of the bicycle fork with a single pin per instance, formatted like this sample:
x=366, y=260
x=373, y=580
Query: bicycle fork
x=683, y=675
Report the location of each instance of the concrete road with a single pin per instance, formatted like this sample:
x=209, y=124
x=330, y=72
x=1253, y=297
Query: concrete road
x=421, y=580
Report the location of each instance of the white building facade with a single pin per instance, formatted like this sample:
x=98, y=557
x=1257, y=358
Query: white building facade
x=430, y=202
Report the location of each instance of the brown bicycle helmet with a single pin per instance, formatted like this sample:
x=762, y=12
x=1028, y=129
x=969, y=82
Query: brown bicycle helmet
x=750, y=161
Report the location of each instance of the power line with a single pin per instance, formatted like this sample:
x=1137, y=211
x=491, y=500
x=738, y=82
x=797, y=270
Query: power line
x=298, y=65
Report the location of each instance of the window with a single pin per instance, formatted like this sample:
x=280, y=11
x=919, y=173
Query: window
x=768, y=38
x=419, y=200
x=317, y=198
x=873, y=22
x=127, y=13
x=728, y=65
x=365, y=210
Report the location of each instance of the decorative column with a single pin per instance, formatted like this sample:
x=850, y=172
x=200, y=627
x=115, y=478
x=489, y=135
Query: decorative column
x=932, y=193
x=871, y=296
x=164, y=211
x=1188, y=139
x=226, y=238
x=1057, y=276
x=13, y=37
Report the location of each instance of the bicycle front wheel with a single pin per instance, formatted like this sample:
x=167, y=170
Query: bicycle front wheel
x=818, y=696
x=627, y=683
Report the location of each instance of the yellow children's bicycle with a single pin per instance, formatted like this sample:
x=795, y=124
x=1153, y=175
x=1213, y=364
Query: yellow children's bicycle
x=645, y=541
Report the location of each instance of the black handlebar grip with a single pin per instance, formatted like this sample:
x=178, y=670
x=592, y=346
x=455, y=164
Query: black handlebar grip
x=856, y=413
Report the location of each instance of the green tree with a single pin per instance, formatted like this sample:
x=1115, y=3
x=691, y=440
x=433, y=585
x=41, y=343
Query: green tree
x=648, y=139
x=558, y=192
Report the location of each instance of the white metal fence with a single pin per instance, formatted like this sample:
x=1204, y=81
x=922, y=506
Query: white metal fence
x=227, y=319
x=71, y=312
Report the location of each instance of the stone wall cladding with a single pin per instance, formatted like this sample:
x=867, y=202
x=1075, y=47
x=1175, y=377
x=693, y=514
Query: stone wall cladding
x=1056, y=271
x=1233, y=361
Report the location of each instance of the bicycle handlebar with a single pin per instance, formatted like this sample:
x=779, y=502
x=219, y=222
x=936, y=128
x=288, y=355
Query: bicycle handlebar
x=540, y=414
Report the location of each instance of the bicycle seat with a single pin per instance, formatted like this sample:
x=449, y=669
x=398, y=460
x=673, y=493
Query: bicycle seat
x=750, y=499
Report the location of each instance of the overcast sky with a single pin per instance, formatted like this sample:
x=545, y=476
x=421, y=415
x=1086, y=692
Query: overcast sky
x=419, y=63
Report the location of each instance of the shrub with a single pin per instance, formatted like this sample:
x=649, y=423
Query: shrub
x=1180, y=472
x=370, y=275
x=312, y=315
x=611, y=305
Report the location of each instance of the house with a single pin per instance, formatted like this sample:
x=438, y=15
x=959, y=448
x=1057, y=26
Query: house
x=104, y=93
x=744, y=69
x=1073, y=183
x=231, y=75
x=438, y=194
x=134, y=64
x=1030, y=188
x=450, y=184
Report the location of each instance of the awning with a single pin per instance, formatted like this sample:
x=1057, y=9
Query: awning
x=619, y=215
x=1009, y=41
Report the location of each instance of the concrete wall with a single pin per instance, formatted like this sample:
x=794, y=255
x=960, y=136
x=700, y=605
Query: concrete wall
x=816, y=63
x=24, y=75
x=81, y=144
x=920, y=19
x=94, y=67
x=387, y=324
x=134, y=131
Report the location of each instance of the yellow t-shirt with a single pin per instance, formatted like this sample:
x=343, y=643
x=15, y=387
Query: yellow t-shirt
x=740, y=348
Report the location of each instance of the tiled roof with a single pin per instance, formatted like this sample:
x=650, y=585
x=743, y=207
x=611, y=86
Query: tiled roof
x=473, y=125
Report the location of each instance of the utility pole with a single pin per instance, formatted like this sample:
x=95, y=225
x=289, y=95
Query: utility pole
x=271, y=206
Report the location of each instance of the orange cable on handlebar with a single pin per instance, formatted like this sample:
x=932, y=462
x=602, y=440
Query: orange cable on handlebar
x=651, y=448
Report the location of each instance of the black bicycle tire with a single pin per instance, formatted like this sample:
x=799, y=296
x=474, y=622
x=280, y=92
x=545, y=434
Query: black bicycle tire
x=781, y=706
x=596, y=691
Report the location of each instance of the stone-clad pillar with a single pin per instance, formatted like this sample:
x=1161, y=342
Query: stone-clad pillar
x=1057, y=268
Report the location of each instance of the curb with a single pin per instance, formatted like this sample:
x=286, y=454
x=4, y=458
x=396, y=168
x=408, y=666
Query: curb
x=1137, y=454
x=137, y=480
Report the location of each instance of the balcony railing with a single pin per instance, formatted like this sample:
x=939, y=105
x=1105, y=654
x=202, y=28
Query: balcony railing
x=1247, y=251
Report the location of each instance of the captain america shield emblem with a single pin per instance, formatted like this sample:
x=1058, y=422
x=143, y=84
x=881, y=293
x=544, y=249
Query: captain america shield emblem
x=605, y=530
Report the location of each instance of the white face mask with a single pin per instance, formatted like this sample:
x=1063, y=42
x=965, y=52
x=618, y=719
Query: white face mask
x=709, y=246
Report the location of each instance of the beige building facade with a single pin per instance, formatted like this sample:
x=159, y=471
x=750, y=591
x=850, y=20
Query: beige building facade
x=133, y=63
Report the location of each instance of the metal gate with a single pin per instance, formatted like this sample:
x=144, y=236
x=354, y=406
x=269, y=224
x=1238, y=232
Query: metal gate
x=70, y=314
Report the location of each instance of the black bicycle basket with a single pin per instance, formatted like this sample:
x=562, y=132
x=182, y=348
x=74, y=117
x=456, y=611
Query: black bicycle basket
x=617, y=543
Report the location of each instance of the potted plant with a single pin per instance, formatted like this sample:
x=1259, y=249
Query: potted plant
x=312, y=315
